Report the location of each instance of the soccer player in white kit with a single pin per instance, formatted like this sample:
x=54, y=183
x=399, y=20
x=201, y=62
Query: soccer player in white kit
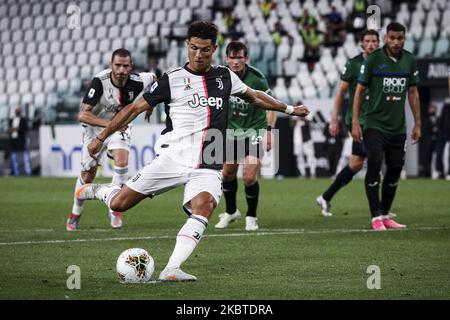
x=109, y=91
x=197, y=96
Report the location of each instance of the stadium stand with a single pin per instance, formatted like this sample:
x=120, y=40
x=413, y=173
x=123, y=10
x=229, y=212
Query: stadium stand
x=37, y=45
x=45, y=60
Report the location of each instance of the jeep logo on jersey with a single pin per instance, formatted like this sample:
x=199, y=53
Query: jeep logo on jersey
x=394, y=85
x=204, y=101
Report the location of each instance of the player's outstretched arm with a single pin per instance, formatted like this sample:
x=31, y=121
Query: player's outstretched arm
x=356, y=126
x=120, y=120
x=264, y=101
x=414, y=103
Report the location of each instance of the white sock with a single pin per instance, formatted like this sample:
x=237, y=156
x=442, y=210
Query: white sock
x=77, y=207
x=106, y=192
x=187, y=239
x=120, y=175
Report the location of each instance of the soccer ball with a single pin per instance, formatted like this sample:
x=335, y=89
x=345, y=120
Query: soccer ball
x=135, y=265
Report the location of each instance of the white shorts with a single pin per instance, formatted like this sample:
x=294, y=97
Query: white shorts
x=117, y=140
x=164, y=174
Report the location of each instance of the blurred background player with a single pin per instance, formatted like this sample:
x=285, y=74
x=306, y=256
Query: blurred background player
x=249, y=135
x=370, y=41
x=304, y=147
x=109, y=91
x=390, y=73
x=18, y=130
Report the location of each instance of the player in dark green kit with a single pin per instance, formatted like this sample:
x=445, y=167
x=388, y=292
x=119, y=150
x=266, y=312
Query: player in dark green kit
x=370, y=41
x=248, y=135
x=390, y=73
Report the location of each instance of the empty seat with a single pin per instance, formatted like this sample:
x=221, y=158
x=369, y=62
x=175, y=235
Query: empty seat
x=104, y=45
x=172, y=16
x=7, y=49
x=107, y=6
x=31, y=48
x=94, y=58
x=139, y=31
x=58, y=60
x=113, y=32
x=70, y=59
x=92, y=45
x=117, y=43
x=120, y=5
x=48, y=9
x=101, y=32
x=152, y=30
x=12, y=86
x=22, y=73
x=442, y=47
x=310, y=92
x=15, y=23
x=160, y=16
x=97, y=19
x=40, y=35
x=60, y=72
x=73, y=72
x=425, y=48
x=46, y=60
x=185, y=15
x=122, y=18
x=9, y=62
x=135, y=17
x=35, y=73
x=47, y=73
x=82, y=59
x=79, y=46
x=110, y=18
x=33, y=60
x=43, y=47
x=67, y=46
x=28, y=36
x=37, y=86
x=126, y=31
x=143, y=4
x=147, y=16
x=86, y=72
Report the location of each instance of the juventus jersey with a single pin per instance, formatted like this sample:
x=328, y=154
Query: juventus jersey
x=107, y=99
x=197, y=107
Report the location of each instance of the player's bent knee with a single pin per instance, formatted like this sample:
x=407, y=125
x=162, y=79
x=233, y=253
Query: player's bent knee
x=356, y=166
x=121, y=163
x=125, y=199
x=249, y=179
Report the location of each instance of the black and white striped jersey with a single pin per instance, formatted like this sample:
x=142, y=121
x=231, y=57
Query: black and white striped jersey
x=197, y=106
x=107, y=99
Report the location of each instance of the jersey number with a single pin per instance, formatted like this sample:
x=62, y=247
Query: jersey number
x=91, y=93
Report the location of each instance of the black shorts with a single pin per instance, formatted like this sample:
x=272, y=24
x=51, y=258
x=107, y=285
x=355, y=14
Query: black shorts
x=391, y=146
x=358, y=148
x=238, y=149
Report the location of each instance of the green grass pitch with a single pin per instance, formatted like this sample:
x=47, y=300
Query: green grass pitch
x=297, y=254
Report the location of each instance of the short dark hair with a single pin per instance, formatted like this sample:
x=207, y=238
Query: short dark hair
x=395, y=26
x=121, y=53
x=370, y=32
x=235, y=46
x=203, y=30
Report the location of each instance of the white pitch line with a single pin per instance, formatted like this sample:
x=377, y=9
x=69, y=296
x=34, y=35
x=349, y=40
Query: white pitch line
x=270, y=232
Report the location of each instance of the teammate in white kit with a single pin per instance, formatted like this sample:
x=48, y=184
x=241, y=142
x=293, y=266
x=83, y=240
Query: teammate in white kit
x=110, y=90
x=192, y=154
